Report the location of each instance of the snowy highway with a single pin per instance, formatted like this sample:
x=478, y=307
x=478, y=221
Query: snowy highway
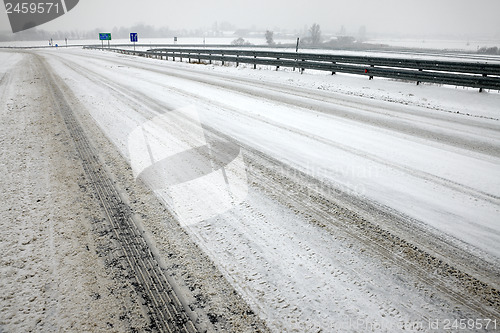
x=328, y=202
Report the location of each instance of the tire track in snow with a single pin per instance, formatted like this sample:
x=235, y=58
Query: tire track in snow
x=165, y=309
x=358, y=221
x=133, y=96
x=154, y=107
x=412, y=251
x=330, y=106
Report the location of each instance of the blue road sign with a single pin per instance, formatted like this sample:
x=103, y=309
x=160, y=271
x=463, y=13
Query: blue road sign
x=104, y=36
x=133, y=37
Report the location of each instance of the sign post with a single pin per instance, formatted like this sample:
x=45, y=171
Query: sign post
x=133, y=38
x=296, y=52
x=104, y=36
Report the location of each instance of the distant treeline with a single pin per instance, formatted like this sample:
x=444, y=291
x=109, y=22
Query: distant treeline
x=38, y=34
x=489, y=50
x=143, y=30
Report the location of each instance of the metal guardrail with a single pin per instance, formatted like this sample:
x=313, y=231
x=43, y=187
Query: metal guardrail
x=480, y=75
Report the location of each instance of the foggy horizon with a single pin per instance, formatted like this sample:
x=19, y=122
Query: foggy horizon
x=386, y=17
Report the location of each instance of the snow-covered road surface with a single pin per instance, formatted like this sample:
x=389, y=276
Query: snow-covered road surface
x=341, y=204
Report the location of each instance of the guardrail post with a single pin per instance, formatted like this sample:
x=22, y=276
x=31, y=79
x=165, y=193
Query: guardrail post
x=481, y=89
x=418, y=82
x=237, y=61
x=222, y=54
x=333, y=73
x=255, y=62
x=277, y=67
x=371, y=76
x=302, y=69
x=199, y=58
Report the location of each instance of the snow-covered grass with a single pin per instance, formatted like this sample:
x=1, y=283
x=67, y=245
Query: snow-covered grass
x=438, y=44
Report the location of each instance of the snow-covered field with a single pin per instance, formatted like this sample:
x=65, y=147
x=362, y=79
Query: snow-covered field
x=425, y=156
x=439, y=44
x=180, y=41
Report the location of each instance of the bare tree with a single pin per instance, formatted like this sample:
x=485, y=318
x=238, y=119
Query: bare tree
x=342, y=32
x=269, y=37
x=240, y=42
x=315, y=32
x=362, y=33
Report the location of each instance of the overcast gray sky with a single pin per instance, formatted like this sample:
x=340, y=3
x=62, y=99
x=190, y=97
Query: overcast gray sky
x=461, y=17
